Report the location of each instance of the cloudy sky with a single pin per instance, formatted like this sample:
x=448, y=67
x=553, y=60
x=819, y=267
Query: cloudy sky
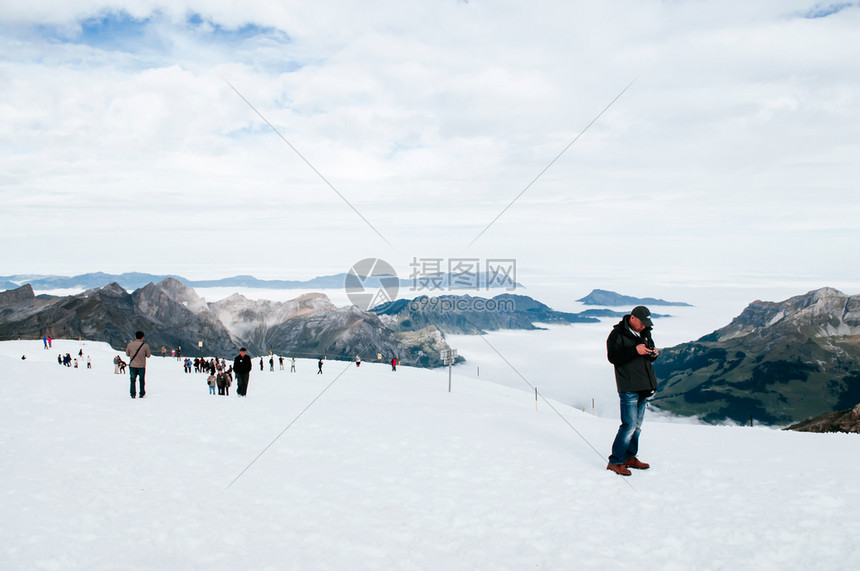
x=721, y=139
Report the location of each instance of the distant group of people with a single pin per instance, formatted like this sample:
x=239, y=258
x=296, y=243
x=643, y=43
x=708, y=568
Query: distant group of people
x=280, y=363
x=201, y=365
x=68, y=361
x=358, y=363
x=219, y=375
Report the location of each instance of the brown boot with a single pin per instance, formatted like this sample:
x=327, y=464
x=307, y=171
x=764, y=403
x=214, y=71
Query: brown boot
x=636, y=464
x=619, y=469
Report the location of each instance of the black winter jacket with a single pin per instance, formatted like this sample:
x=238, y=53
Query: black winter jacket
x=242, y=365
x=633, y=372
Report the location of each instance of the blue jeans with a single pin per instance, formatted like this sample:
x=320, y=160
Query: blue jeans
x=137, y=372
x=626, y=443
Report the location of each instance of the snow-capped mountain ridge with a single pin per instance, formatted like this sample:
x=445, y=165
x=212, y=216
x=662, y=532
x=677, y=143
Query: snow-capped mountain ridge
x=173, y=316
x=822, y=312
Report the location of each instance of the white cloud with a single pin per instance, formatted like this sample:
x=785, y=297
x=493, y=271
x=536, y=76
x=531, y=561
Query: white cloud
x=429, y=118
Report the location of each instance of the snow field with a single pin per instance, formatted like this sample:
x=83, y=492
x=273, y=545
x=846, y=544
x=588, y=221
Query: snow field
x=389, y=471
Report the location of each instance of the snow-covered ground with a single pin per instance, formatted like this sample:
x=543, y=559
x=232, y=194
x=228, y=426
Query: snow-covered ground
x=390, y=471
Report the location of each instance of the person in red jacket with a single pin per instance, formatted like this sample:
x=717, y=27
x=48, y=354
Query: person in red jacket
x=394, y=363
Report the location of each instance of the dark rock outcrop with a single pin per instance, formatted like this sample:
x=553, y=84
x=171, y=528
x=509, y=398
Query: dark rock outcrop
x=467, y=315
x=112, y=315
x=839, y=421
x=16, y=296
x=612, y=299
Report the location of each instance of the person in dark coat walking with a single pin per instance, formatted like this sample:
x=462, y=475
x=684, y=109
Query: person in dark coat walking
x=221, y=382
x=631, y=349
x=320, y=364
x=242, y=367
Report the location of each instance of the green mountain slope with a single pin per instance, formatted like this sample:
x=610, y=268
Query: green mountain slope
x=776, y=363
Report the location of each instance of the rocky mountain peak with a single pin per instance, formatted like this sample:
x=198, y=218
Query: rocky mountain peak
x=13, y=296
x=172, y=284
x=182, y=294
x=113, y=289
x=318, y=299
x=822, y=312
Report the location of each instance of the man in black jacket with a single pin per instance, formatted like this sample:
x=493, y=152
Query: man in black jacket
x=630, y=348
x=242, y=367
